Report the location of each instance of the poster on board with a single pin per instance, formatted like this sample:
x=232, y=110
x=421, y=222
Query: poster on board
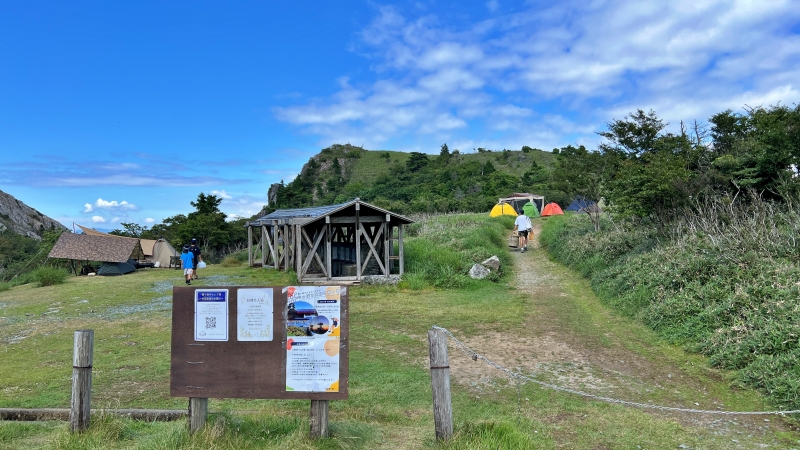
x=312, y=338
x=254, y=309
x=211, y=315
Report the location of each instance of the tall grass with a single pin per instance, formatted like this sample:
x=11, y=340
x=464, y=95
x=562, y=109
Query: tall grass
x=724, y=283
x=441, y=249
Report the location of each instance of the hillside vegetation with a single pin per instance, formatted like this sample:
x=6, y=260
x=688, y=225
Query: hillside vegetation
x=721, y=281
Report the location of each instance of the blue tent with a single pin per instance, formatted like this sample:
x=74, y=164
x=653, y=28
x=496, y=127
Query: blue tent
x=581, y=204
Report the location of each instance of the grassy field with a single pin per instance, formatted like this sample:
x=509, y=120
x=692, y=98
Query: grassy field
x=390, y=395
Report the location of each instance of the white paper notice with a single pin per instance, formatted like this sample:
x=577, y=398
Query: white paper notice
x=211, y=315
x=254, y=315
x=313, y=330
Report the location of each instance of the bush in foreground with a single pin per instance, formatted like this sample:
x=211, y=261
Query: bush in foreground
x=49, y=276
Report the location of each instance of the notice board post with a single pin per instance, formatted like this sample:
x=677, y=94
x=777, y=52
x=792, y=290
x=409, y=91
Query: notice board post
x=269, y=342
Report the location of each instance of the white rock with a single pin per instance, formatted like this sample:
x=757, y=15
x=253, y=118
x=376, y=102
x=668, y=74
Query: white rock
x=478, y=272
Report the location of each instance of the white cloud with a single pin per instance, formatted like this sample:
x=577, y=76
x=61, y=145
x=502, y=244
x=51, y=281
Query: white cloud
x=110, y=205
x=98, y=219
x=523, y=73
x=221, y=194
x=149, y=220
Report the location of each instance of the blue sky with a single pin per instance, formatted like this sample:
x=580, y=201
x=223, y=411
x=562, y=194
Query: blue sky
x=125, y=111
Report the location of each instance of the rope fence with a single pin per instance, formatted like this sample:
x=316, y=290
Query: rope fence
x=475, y=356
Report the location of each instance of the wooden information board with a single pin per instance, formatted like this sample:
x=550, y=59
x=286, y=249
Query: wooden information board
x=225, y=345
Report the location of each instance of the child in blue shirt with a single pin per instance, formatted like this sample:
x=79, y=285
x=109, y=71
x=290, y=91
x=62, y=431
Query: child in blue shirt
x=187, y=260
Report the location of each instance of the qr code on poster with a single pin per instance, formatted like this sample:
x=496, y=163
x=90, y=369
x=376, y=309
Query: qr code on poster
x=211, y=322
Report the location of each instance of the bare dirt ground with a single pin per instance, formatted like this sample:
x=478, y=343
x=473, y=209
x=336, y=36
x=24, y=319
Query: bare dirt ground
x=568, y=347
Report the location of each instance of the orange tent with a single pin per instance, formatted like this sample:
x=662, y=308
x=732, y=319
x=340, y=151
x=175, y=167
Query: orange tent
x=552, y=209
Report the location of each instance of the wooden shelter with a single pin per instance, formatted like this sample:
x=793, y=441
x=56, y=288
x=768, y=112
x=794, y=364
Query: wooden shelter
x=339, y=243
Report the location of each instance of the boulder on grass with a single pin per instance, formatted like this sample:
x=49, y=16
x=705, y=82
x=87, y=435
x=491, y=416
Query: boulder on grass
x=478, y=272
x=492, y=263
x=381, y=280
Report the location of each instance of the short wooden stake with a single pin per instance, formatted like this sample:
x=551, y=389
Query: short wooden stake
x=319, y=419
x=440, y=384
x=82, y=355
x=198, y=412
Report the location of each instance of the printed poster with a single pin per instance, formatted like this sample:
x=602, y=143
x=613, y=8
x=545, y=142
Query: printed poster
x=254, y=315
x=211, y=315
x=313, y=328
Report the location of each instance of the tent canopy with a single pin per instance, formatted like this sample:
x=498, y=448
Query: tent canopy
x=552, y=209
x=154, y=250
x=518, y=199
x=502, y=209
x=116, y=268
x=95, y=248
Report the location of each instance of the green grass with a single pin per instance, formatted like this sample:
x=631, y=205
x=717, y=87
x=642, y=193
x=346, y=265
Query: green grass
x=389, y=405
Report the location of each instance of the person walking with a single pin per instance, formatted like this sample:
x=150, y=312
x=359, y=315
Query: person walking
x=522, y=226
x=187, y=264
x=197, y=257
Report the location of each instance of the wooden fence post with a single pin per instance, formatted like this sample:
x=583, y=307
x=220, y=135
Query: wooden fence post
x=319, y=419
x=198, y=412
x=440, y=384
x=82, y=356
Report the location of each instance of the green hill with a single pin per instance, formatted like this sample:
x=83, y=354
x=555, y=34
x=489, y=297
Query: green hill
x=417, y=182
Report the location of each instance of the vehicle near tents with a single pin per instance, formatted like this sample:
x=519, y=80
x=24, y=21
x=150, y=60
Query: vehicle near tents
x=519, y=199
x=117, y=268
x=530, y=210
x=552, y=209
x=583, y=205
x=155, y=251
x=502, y=209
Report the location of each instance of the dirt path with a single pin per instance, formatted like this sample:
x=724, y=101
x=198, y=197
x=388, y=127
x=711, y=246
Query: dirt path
x=577, y=343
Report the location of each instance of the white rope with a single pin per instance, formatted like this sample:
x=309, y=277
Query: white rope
x=515, y=375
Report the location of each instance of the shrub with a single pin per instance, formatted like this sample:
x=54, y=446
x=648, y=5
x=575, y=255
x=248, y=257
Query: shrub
x=5, y=286
x=723, y=283
x=49, y=276
x=231, y=261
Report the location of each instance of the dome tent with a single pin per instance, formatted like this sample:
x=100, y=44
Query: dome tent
x=530, y=210
x=552, y=209
x=502, y=209
x=117, y=268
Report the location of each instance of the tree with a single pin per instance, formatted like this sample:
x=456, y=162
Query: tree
x=416, y=161
x=635, y=136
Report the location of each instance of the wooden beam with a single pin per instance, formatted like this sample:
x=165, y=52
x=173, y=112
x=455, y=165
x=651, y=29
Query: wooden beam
x=250, y=246
x=373, y=251
x=400, y=247
x=328, y=239
x=313, y=253
x=358, y=245
x=352, y=219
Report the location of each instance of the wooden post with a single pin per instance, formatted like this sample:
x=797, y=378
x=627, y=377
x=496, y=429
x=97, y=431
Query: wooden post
x=82, y=356
x=286, y=247
x=198, y=412
x=250, y=250
x=319, y=419
x=440, y=384
x=358, y=242
x=400, y=246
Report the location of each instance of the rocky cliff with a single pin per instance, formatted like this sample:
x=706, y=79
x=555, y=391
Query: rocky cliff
x=22, y=219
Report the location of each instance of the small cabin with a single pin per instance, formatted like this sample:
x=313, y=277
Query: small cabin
x=336, y=243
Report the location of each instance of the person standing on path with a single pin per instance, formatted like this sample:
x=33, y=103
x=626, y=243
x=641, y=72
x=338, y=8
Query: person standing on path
x=194, y=249
x=187, y=264
x=522, y=226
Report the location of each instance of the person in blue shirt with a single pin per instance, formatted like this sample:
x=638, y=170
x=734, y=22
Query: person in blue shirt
x=187, y=260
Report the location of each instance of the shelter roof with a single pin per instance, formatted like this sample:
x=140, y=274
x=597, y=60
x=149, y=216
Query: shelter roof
x=148, y=245
x=95, y=248
x=521, y=196
x=310, y=214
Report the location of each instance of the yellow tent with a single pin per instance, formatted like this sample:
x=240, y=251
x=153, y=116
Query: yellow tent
x=501, y=209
